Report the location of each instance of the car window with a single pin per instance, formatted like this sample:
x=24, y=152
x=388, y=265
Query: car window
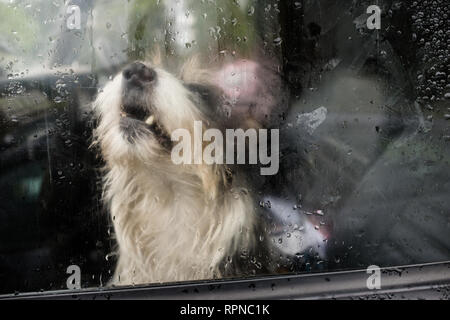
x=341, y=110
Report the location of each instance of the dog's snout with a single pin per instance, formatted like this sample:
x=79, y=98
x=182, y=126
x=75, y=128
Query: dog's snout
x=139, y=73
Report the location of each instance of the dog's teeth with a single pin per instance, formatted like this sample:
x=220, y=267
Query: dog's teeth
x=123, y=114
x=150, y=120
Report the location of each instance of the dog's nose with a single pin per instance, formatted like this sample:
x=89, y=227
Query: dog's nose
x=138, y=73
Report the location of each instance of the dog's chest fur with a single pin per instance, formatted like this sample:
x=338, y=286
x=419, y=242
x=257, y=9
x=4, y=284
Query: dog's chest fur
x=168, y=228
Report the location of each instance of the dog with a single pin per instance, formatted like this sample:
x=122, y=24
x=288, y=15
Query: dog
x=171, y=222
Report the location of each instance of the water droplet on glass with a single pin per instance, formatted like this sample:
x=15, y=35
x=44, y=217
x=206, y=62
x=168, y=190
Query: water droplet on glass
x=277, y=41
x=297, y=5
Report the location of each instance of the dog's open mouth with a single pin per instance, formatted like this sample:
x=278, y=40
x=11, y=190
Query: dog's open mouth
x=142, y=116
x=137, y=122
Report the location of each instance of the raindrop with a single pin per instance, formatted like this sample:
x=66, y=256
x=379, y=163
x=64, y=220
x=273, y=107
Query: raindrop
x=277, y=41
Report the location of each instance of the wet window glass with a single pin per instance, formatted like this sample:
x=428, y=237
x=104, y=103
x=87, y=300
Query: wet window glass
x=148, y=142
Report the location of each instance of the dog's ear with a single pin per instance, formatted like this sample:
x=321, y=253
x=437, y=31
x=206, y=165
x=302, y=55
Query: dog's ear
x=155, y=56
x=193, y=72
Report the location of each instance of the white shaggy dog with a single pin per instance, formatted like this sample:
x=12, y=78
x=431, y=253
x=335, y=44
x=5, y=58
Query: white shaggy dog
x=171, y=222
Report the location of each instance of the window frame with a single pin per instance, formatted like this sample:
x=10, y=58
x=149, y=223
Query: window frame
x=422, y=281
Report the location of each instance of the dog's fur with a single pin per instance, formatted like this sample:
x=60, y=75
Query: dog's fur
x=171, y=222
